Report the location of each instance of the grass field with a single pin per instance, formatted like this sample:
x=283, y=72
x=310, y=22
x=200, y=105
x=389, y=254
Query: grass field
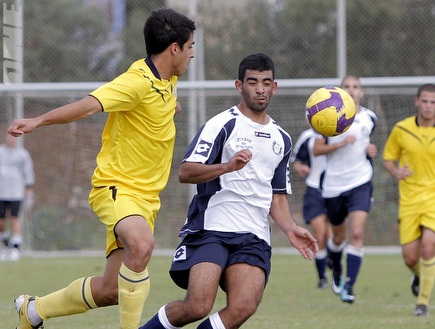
x=383, y=297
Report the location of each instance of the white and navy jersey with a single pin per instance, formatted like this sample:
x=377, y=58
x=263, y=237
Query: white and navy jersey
x=303, y=152
x=238, y=201
x=349, y=166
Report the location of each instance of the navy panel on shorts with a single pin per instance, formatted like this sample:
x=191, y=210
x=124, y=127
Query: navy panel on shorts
x=358, y=198
x=314, y=204
x=221, y=248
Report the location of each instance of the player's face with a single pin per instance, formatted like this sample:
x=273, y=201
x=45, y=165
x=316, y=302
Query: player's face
x=354, y=89
x=257, y=89
x=184, y=56
x=426, y=105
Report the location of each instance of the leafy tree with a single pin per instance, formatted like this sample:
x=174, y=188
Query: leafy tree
x=60, y=38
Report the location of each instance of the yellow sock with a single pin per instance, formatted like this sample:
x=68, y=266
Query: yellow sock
x=416, y=269
x=133, y=289
x=427, y=278
x=75, y=298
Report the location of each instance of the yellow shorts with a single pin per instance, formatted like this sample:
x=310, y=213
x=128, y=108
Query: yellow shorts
x=111, y=205
x=410, y=225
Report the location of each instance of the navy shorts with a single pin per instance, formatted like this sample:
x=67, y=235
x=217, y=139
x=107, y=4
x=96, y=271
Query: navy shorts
x=314, y=204
x=14, y=208
x=221, y=248
x=359, y=198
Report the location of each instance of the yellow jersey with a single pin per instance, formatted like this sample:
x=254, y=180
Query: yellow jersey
x=414, y=146
x=138, y=138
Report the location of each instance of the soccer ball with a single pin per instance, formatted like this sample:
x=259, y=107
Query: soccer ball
x=330, y=111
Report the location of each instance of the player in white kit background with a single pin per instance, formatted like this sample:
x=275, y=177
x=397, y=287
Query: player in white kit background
x=347, y=189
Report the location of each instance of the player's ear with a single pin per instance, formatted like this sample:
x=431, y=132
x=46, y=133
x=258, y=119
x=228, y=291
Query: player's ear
x=174, y=47
x=275, y=86
x=238, y=85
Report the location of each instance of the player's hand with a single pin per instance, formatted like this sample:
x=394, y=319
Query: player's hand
x=304, y=242
x=349, y=139
x=403, y=173
x=372, y=150
x=301, y=169
x=239, y=160
x=21, y=126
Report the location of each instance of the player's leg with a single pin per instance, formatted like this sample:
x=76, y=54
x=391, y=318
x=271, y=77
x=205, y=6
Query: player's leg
x=321, y=231
x=354, y=251
x=314, y=213
x=245, y=286
x=135, y=235
x=4, y=232
x=427, y=271
x=245, y=279
x=201, y=293
x=410, y=238
x=16, y=239
x=336, y=213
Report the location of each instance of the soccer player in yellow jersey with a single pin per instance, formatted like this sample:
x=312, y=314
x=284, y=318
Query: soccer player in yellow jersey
x=132, y=168
x=411, y=144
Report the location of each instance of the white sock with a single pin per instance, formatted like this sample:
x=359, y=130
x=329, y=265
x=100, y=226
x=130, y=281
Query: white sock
x=321, y=254
x=164, y=319
x=33, y=316
x=216, y=321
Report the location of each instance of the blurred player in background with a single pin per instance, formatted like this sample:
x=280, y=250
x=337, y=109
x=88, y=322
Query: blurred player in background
x=16, y=185
x=305, y=164
x=411, y=144
x=239, y=161
x=132, y=168
x=347, y=189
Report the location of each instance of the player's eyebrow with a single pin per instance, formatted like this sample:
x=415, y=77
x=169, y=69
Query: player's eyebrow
x=256, y=79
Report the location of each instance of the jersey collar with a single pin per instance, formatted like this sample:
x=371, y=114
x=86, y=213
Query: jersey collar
x=151, y=65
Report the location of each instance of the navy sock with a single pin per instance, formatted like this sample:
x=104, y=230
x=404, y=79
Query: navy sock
x=353, y=265
x=321, y=267
x=205, y=324
x=154, y=323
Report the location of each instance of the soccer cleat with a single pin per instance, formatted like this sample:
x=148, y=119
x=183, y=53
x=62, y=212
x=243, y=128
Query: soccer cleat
x=347, y=295
x=323, y=284
x=415, y=284
x=336, y=284
x=14, y=255
x=21, y=304
x=421, y=310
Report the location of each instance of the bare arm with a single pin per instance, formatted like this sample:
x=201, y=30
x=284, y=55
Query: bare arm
x=71, y=112
x=320, y=147
x=197, y=173
x=298, y=236
x=399, y=173
x=301, y=169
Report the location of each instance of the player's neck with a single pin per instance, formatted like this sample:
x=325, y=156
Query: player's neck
x=260, y=117
x=423, y=122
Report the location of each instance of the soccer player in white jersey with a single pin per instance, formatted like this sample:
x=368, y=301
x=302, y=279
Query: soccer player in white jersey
x=347, y=189
x=239, y=160
x=305, y=164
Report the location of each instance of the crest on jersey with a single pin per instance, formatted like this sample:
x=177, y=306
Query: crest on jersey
x=277, y=148
x=203, y=148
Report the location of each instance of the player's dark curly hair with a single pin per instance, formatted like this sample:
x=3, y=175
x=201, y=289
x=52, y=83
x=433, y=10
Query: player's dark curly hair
x=165, y=26
x=256, y=62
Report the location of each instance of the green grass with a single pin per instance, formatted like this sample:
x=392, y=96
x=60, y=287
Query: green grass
x=383, y=297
